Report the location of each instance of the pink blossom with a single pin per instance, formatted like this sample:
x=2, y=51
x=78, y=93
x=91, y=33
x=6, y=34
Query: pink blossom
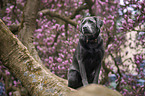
x=7, y=72
x=59, y=5
x=15, y=82
x=8, y=10
x=40, y=14
x=12, y=6
x=80, y=3
x=61, y=55
x=130, y=21
x=38, y=30
x=137, y=61
x=46, y=59
x=59, y=60
x=10, y=93
x=78, y=16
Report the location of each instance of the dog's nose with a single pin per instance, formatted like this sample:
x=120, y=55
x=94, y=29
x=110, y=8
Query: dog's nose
x=85, y=29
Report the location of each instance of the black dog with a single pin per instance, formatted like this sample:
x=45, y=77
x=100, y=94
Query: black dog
x=88, y=55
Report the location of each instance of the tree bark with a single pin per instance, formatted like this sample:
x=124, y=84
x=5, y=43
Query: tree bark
x=28, y=25
x=37, y=79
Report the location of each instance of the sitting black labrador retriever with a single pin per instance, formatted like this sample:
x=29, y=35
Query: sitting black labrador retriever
x=88, y=55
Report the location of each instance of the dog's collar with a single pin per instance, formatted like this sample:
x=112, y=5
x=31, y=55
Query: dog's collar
x=91, y=41
x=91, y=38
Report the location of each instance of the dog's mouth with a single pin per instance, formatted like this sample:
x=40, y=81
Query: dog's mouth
x=87, y=33
x=90, y=36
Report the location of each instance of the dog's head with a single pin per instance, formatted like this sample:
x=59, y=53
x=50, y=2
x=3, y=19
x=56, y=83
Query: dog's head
x=90, y=26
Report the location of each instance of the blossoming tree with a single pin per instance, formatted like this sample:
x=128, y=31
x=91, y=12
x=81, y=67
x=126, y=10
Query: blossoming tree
x=50, y=28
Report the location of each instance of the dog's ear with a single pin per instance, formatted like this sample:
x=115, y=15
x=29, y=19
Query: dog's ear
x=99, y=22
x=80, y=26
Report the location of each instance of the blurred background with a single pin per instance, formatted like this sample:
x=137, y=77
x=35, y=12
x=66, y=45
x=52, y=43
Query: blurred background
x=55, y=39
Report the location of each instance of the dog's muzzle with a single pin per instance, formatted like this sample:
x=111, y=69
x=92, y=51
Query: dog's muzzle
x=89, y=33
x=87, y=29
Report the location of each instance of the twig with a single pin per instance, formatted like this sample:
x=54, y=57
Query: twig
x=55, y=39
x=119, y=72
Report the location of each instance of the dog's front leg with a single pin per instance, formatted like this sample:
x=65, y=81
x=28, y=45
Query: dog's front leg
x=83, y=73
x=96, y=77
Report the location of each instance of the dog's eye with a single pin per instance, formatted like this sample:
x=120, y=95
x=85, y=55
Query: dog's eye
x=90, y=21
x=83, y=22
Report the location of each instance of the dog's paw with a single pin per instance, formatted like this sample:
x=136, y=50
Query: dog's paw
x=85, y=83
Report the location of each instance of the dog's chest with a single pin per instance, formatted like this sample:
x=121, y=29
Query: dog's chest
x=90, y=58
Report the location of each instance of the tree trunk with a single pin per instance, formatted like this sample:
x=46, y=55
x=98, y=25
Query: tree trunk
x=28, y=25
x=37, y=79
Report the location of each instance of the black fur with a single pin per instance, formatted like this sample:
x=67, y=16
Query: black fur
x=88, y=55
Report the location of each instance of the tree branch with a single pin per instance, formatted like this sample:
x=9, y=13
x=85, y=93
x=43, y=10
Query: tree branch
x=76, y=12
x=35, y=77
x=1, y=4
x=28, y=26
x=55, y=39
x=55, y=14
x=119, y=72
x=14, y=28
x=90, y=4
